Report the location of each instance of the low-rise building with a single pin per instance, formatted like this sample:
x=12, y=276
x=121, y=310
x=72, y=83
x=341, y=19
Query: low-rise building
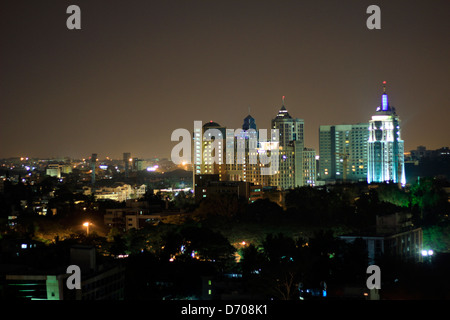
x=97, y=282
x=207, y=185
x=118, y=192
x=393, y=235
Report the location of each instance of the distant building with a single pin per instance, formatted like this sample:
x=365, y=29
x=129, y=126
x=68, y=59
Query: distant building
x=138, y=214
x=119, y=191
x=394, y=235
x=427, y=163
x=343, y=152
x=53, y=170
x=291, y=144
x=126, y=162
x=309, y=167
x=243, y=151
x=386, y=148
x=422, y=152
x=213, y=151
x=66, y=168
x=207, y=185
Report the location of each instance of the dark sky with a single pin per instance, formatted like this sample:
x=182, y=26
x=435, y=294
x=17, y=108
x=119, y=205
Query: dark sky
x=140, y=69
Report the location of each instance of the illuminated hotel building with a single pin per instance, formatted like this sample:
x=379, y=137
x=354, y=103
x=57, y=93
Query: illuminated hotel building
x=385, y=152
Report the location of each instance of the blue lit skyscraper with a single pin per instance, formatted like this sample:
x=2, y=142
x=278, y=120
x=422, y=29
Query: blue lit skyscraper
x=385, y=147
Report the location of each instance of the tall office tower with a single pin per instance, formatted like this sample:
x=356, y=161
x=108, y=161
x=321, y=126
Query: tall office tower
x=93, y=165
x=241, y=151
x=126, y=162
x=291, y=146
x=343, y=152
x=386, y=158
x=243, y=162
x=290, y=129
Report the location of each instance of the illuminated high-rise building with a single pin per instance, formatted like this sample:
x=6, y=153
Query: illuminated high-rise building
x=209, y=149
x=291, y=145
x=385, y=152
x=243, y=154
x=241, y=148
x=309, y=167
x=343, y=152
x=208, y=152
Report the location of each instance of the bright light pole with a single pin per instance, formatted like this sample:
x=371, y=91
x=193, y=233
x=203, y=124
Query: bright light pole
x=86, y=224
x=427, y=253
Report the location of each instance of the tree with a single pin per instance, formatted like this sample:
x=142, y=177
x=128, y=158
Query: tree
x=430, y=199
x=209, y=245
x=252, y=260
x=224, y=205
x=262, y=210
x=389, y=192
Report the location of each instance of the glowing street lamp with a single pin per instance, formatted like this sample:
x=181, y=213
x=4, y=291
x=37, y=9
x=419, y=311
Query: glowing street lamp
x=86, y=224
x=427, y=253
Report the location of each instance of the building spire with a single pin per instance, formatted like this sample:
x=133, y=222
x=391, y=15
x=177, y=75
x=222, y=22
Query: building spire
x=384, y=99
x=283, y=113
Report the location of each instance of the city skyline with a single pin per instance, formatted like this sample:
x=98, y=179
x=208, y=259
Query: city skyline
x=133, y=74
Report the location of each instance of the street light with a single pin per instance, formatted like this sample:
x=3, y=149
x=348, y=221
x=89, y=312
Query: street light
x=427, y=253
x=86, y=224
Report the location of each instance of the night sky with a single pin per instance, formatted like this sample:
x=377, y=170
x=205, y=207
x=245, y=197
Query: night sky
x=137, y=70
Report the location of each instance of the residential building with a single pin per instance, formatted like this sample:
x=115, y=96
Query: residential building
x=309, y=167
x=343, y=152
